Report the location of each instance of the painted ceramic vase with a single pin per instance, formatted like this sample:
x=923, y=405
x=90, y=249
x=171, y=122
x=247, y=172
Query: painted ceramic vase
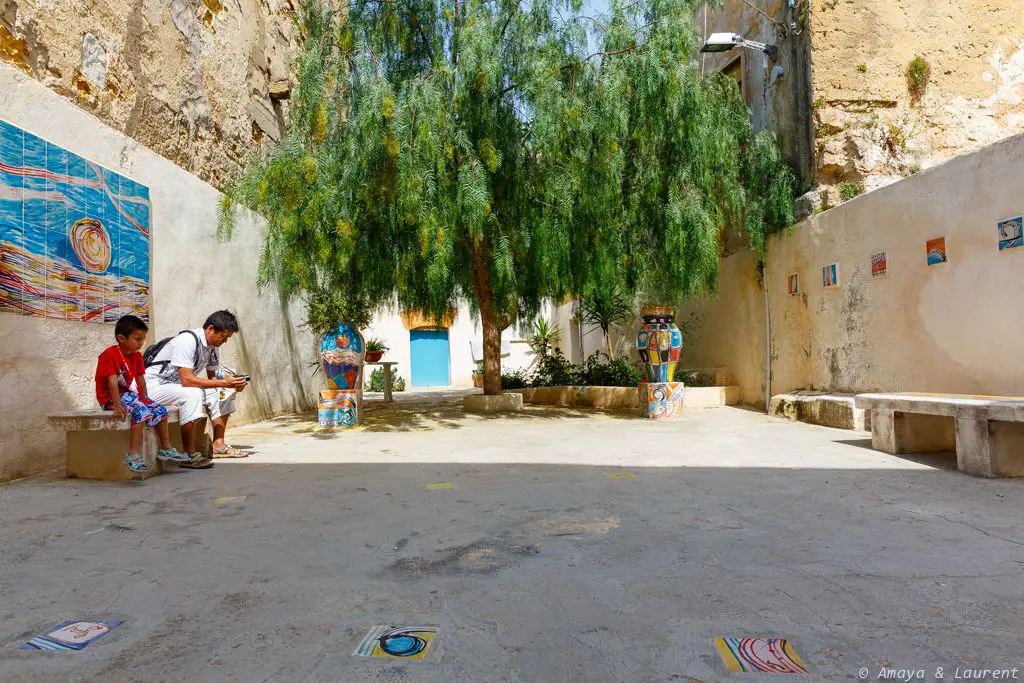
x=659, y=343
x=341, y=356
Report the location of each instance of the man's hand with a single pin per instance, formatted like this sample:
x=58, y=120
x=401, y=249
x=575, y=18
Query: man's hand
x=236, y=383
x=119, y=412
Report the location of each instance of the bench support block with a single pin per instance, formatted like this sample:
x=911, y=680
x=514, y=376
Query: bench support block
x=989, y=448
x=99, y=453
x=895, y=432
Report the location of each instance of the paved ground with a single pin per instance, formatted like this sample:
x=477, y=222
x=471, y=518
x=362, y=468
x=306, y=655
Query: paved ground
x=570, y=547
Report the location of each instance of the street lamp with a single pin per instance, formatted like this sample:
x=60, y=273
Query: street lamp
x=724, y=42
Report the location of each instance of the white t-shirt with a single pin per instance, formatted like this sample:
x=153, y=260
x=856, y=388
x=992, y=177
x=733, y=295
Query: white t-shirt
x=180, y=352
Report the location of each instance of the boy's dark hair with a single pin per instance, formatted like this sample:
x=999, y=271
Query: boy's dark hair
x=128, y=324
x=222, y=321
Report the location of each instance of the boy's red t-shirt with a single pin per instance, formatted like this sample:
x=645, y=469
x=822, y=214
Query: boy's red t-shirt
x=113, y=363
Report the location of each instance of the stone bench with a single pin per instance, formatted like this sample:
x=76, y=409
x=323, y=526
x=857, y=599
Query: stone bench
x=97, y=443
x=987, y=432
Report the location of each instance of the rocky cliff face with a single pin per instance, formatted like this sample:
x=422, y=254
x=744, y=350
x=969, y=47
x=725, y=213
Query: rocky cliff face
x=201, y=82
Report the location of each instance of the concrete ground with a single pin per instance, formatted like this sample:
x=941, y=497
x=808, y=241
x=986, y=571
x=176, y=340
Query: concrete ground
x=551, y=546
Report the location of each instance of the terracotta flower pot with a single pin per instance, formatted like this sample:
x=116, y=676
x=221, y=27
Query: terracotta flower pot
x=478, y=380
x=374, y=356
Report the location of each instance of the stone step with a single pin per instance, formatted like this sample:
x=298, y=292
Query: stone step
x=821, y=408
x=705, y=377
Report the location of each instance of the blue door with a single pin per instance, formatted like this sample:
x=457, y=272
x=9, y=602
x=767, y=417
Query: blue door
x=429, y=358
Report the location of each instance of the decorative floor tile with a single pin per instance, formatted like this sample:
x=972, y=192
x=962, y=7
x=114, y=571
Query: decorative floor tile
x=71, y=635
x=759, y=655
x=397, y=642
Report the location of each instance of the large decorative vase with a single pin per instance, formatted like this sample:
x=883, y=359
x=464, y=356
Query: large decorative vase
x=341, y=356
x=659, y=343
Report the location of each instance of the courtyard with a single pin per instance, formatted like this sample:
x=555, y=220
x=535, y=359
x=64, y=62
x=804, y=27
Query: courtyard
x=549, y=545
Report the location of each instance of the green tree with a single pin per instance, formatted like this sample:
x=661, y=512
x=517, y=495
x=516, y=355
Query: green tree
x=474, y=150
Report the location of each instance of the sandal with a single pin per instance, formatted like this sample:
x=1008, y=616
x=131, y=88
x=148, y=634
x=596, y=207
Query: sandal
x=229, y=452
x=197, y=462
x=172, y=455
x=135, y=463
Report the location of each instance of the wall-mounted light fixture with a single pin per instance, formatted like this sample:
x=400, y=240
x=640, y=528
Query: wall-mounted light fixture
x=724, y=42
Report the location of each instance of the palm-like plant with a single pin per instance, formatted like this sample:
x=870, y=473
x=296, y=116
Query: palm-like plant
x=544, y=336
x=604, y=311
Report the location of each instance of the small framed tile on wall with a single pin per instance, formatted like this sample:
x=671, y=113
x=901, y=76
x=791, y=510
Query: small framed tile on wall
x=793, y=284
x=830, y=275
x=1011, y=233
x=936, y=250
x=879, y=264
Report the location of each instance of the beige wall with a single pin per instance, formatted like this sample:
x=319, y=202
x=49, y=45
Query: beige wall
x=954, y=327
x=47, y=366
x=189, y=79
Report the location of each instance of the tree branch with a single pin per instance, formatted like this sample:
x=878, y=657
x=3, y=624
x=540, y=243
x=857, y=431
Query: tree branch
x=632, y=48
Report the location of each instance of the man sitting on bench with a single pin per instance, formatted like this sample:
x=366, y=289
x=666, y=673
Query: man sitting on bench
x=174, y=377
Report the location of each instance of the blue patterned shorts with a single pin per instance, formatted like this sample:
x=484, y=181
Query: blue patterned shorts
x=141, y=410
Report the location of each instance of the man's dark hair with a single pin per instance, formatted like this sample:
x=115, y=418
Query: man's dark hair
x=222, y=321
x=128, y=324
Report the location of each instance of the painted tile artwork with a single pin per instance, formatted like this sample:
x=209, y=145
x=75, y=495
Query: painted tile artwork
x=1011, y=233
x=74, y=237
x=879, y=264
x=793, y=284
x=936, y=249
x=338, y=408
x=397, y=642
x=759, y=655
x=830, y=275
x=71, y=635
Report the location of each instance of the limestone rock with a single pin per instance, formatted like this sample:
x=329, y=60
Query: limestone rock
x=94, y=61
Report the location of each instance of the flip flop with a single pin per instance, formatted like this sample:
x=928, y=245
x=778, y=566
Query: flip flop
x=229, y=452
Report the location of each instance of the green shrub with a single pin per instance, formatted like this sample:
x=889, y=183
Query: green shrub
x=863, y=68
x=850, y=190
x=554, y=370
x=516, y=379
x=376, y=381
x=621, y=371
x=918, y=74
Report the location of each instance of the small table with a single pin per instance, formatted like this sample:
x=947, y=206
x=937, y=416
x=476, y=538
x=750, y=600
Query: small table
x=387, y=378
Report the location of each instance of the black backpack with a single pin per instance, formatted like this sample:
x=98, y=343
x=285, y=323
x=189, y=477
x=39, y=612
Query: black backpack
x=151, y=352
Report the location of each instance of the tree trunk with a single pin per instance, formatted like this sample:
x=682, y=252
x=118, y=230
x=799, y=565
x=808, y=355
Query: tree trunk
x=489, y=319
x=608, y=340
x=492, y=349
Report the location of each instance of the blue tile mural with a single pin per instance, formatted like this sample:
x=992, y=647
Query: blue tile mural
x=74, y=236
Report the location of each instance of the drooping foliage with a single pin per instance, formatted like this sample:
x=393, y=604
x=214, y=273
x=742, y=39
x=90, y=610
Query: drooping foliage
x=475, y=150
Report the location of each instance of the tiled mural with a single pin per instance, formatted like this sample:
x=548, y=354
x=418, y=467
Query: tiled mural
x=74, y=237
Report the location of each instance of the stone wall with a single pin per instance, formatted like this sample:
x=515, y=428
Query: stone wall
x=872, y=126
x=47, y=365
x=951, y=327
x=200, y=82
x=865, y=124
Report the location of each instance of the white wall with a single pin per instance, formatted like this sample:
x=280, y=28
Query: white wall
x=47, y=366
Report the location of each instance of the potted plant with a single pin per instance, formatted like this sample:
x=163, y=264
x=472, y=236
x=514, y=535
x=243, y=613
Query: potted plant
x=375, y=349
x=478, y=374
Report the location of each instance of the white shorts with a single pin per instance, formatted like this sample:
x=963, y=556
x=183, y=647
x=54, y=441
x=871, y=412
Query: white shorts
x=192, y=402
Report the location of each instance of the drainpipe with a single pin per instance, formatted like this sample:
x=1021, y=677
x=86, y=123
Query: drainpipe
x=767, y=334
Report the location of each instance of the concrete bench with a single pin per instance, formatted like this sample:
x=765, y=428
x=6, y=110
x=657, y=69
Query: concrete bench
x=987, y=432
x=96, y=443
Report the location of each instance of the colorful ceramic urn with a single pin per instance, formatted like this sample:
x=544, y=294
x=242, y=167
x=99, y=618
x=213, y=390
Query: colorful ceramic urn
x=659, y=343
x=341, y=356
